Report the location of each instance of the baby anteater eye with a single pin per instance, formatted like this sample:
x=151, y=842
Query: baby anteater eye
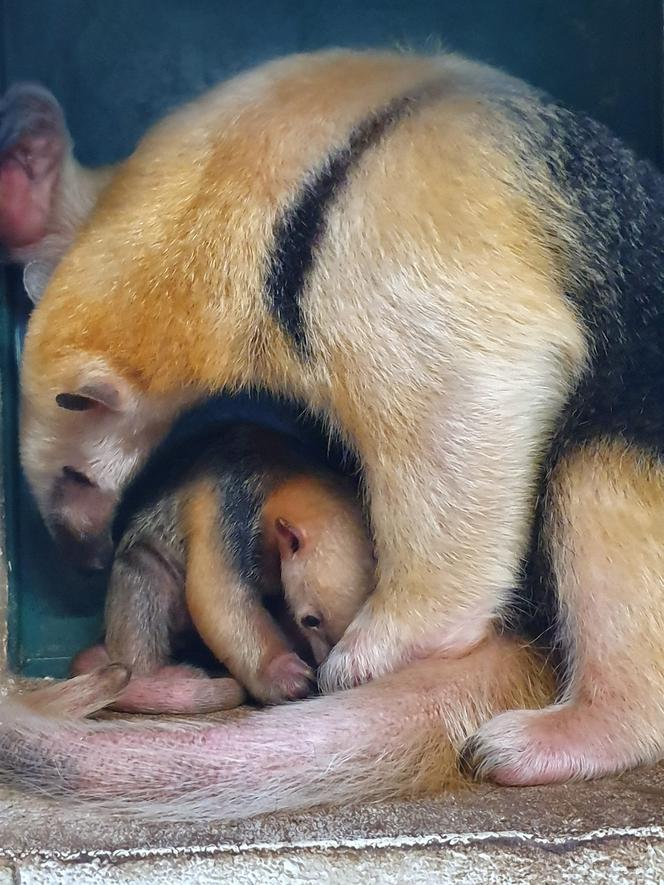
x=75, y=476
x=310, y=621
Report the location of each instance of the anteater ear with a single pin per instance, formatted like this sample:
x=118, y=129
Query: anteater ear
x=291, y=538
x=105, y=392
x=34, y=143
x=36, y=275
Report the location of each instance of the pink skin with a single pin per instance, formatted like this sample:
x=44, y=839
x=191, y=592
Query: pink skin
x=22, y=220
x=290, y=678
x=180, y=689
x=176, y=689
x=81, y=696
x=30, y=166
x=560, y=743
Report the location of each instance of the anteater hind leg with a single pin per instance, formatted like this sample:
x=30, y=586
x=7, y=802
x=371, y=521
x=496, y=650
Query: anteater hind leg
x=605, y=536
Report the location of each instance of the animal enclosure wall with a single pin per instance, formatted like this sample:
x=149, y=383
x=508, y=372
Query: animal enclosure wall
x=118, y=66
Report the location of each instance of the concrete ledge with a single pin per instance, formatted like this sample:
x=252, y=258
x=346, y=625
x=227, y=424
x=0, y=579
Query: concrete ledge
x=610, y=831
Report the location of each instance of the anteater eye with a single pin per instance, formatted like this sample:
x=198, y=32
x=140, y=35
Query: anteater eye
x=74, y=402
x=75, y=476
x=310, y=621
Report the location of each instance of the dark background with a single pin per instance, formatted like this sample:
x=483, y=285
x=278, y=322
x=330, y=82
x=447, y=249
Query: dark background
x=117, y=65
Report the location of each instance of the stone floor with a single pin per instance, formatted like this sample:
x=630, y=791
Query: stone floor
x=605, y=832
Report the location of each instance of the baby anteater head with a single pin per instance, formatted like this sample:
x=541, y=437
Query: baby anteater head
x=327, y=562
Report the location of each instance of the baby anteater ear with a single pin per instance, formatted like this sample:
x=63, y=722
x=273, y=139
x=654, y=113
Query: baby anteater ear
x=34, y=144
x=291, y=538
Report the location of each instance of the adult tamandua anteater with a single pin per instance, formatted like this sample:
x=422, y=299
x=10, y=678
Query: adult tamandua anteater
x=463, y=279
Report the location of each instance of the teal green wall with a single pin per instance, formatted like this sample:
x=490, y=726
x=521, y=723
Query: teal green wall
x=116, y=65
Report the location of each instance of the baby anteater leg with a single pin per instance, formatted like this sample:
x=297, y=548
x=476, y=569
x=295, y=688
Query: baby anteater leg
x=227, y=610
x=145, y=608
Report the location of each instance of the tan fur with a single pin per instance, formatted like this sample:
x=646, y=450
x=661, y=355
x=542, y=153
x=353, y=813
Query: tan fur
x=490, y=348
x=178, y=568
x=607, y=541
x=228, y=616
x=442, y=351
x=334, y=573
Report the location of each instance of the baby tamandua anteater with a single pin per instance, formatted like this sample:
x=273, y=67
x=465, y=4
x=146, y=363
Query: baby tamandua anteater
x=204, y=538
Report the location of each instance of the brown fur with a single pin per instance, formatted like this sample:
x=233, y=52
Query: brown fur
x=229, y=618
x=225, y=337
x=442, y=350
x=180, y=567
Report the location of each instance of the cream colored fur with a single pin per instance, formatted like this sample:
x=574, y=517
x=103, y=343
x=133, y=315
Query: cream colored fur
x=431, y=405
x=442, y=351
x=607, y=541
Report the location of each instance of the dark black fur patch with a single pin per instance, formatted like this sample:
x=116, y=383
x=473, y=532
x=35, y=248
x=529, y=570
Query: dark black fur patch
x=619, y=299
x=301, y=226
x=243, y=504
x=215, y=425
